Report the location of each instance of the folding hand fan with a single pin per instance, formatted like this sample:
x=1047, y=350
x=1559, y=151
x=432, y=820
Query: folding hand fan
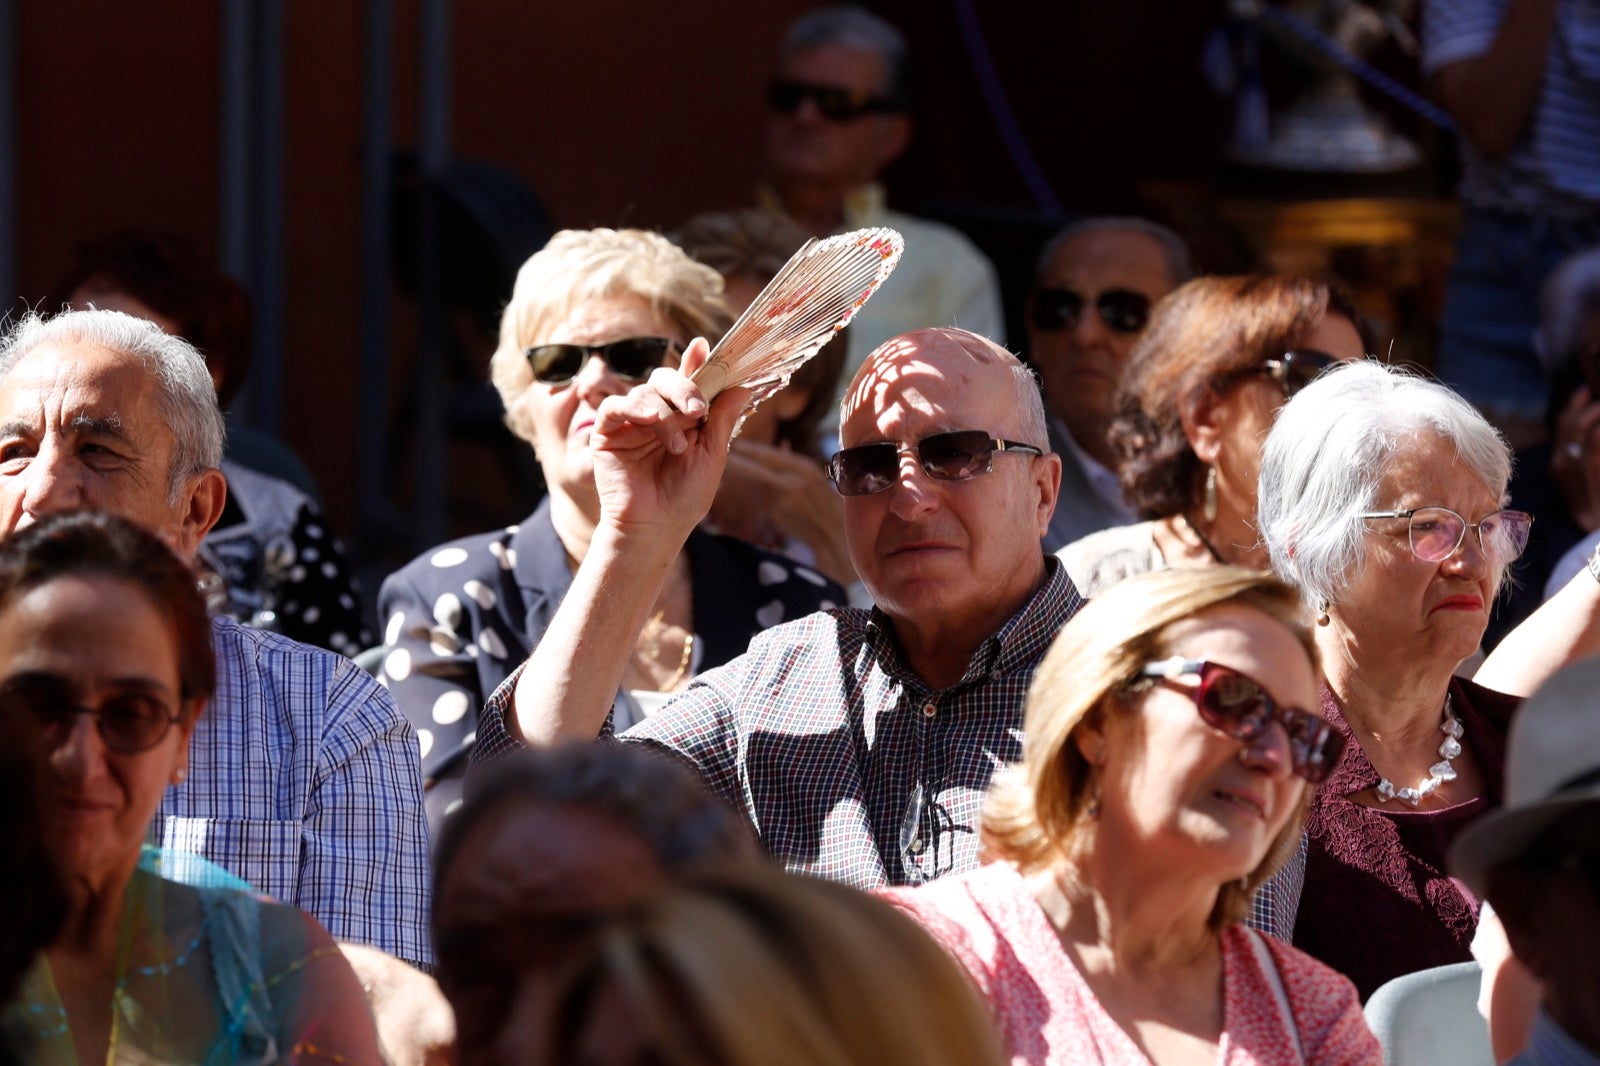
x=818, y=291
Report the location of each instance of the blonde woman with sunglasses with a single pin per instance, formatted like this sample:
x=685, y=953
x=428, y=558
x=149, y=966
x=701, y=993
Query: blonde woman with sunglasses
x=1168, y=756
x=592, y=314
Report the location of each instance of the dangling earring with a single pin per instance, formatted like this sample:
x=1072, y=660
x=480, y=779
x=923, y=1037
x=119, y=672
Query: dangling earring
x=1208, y=506
x=1322, y=612
x=1093, y=810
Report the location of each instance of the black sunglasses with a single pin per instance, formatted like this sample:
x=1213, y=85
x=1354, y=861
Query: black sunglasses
x=1241, y=707
x=1295, y=370
x=631, y=358
x=128, y=722
x=966, y=453
x=1122, y=310
x=831, y=102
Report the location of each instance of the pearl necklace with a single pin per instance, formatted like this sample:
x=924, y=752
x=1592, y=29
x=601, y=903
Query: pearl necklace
x=1438, y=773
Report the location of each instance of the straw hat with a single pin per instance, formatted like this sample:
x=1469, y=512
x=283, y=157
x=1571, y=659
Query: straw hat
x=1553, y=768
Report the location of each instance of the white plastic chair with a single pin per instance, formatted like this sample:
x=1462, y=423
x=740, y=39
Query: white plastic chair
x=1430, y=1017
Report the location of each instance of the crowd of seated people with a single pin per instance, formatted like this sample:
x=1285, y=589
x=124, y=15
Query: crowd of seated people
x=1135, y=699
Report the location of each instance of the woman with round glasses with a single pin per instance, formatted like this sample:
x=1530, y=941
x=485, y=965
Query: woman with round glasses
x=1166, y=763
x=592, y=314
x=1382, y=499
x=1219, y=357
x=105, y=651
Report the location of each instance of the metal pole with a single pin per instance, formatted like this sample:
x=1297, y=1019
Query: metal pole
x=372, y=502
x=434, y=149
x=8, y=158
x=233, y=164
x=235, y=61
x=268, y=357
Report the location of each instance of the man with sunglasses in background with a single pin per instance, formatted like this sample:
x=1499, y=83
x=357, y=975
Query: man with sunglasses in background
x=859, y=743
x=1096, y=282
x=840, y=103
x=303, y=778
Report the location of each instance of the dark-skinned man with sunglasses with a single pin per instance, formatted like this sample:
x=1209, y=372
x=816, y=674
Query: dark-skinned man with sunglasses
x=859, y=743
x=839, y=112
x=1092, y=294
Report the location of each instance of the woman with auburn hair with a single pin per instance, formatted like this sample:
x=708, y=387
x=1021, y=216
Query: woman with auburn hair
x=751, y=966
x=1168, y=756
x=1202, y=385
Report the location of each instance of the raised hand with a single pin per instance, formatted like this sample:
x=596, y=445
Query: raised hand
x=659, y=451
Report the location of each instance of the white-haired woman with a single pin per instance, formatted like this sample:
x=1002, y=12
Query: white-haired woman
x=1382, y=498
x=1165, y=770
x=592, y=314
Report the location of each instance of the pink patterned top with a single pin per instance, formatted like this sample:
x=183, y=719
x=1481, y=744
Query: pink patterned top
x=1047, y=1014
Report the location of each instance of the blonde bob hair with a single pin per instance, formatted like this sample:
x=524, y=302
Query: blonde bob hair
x=751, y=966
x=582, y=265
x=1037, y=814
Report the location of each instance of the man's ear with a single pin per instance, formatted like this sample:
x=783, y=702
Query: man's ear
x=198, y=509
x=1047, y=476
x=1199, y=416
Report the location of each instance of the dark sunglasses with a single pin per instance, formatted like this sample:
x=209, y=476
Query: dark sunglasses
x=966, y=453
x=128, y=722
x=1436, y=533
x=631, y=358
x=1295, y=370
x=1239, y=706
x=1122, y=310
x=831, y=102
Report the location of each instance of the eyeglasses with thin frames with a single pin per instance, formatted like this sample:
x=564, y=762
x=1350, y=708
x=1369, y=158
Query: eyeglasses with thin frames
x=1436, y=533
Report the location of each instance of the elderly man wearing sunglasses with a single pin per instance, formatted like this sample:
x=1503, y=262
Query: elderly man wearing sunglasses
x=1092, y=294
x=859, y=743
x=839, y=113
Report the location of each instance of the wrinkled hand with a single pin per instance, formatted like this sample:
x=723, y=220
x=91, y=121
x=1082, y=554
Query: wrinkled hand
x=1576, y=470
x=768, y=490
x=659, y=453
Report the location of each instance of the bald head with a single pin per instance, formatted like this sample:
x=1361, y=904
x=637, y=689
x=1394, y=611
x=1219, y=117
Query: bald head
x=948, y=555
x=947, y=351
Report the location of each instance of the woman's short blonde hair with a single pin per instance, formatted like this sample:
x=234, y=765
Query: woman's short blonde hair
x=580, y=265
x=751, y=966
x=1037, y=814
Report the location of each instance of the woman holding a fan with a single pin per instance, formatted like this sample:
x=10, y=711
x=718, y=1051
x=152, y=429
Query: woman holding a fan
x=591, y=315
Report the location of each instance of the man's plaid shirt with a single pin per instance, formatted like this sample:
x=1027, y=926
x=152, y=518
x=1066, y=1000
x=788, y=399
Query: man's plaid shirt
x=846, y=764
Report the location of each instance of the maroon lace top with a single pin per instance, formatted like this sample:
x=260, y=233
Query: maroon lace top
x=1377, y=901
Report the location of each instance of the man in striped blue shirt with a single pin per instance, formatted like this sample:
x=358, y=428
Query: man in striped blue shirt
x=304, y=779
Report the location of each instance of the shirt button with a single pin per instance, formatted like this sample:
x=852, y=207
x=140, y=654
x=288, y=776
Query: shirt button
x=929, y=710
x=916, y=846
